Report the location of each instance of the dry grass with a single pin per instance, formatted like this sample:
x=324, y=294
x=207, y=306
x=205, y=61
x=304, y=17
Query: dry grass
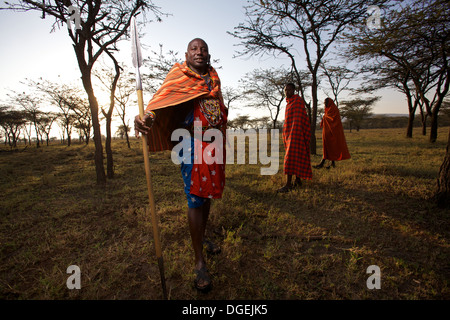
x=312, y=243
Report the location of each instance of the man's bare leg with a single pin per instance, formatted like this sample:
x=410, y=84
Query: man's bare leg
x=197, y=219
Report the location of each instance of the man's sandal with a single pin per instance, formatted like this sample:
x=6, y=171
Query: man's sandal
x=284, y=189
x=211, y=247
x=297, y=183
x=202, y=281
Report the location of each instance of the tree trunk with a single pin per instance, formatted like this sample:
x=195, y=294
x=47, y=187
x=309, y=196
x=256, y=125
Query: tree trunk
x=409, y=130
x=278, y=113
x=423, y=116
x=434, y=126
x=108, y=116
x=69, y=140
x=442, y=195
x=93, y=104
x=87, y=132
x=108, y=149
x=128, y=139
x=313, y=146
x=412, y=110
x=37, y=135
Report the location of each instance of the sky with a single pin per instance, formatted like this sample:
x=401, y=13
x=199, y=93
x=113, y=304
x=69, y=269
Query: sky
x=29, y=50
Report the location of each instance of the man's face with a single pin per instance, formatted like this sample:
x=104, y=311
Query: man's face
x=197, y=55
x=288, y=91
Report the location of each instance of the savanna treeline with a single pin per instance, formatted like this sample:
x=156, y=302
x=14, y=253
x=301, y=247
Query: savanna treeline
x=346, y=50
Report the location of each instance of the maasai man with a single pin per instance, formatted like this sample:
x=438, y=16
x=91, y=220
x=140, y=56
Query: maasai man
x=333, y=139
x=191, y=98
x=296, y=138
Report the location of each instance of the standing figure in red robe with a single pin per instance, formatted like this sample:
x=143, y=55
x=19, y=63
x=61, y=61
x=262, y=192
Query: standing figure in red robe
x=333, y=138
x=190, y=98
x=296, y=138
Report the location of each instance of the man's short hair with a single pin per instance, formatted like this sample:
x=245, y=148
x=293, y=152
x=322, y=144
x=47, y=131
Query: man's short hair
x=290, y=84
x=196, y=40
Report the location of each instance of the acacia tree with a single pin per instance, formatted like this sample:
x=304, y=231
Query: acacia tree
x=414, y=38
x=159, y=64
x=45, y=124
x=281, y=26
x=231, y=95
x=3, y=114
x=338, y=77
x=28, y=129
x=388, y=74
x=124, y=94
x=81, y=119
x=65, y=97
x=99, y=25
x=122, y=131
x=442, y=194
x=266, y=89
x=109, y=80
x=356, y=110
x=31, y=105
x=240, y=122
x=12, y=121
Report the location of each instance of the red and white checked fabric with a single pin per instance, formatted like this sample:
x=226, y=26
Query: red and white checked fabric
x=296, y=138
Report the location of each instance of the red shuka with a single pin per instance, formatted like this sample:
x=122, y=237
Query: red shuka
x=184, y=90
x=179, y=89
x=296, y=138
x=333, y=138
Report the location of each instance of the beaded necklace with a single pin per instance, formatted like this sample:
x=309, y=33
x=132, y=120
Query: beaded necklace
x=211, y=110
x=210, y=107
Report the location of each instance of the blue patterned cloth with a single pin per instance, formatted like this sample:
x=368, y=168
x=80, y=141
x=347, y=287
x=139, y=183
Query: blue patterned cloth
x=186, y=170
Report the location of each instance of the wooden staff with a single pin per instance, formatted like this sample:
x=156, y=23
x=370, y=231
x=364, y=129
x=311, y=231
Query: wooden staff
x=137, y=62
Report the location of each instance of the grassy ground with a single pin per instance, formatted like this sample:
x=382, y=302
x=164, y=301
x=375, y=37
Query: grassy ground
x=313, y=243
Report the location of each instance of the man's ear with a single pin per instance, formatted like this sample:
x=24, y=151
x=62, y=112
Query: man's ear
x=209, y=59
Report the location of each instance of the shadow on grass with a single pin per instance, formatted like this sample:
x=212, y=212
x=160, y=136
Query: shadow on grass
x=312, y=243
x=344, y=230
